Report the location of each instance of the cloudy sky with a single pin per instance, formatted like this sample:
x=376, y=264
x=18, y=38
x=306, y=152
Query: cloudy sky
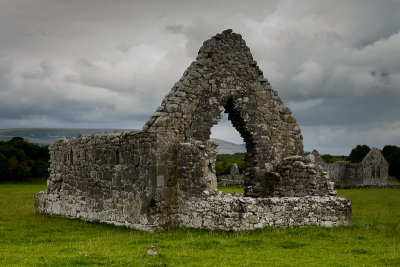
x=108, y=64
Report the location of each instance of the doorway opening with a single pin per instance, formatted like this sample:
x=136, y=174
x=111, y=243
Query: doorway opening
x=233, y=153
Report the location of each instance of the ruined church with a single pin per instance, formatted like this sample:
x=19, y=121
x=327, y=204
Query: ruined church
x=164, y=175
x=372, y=170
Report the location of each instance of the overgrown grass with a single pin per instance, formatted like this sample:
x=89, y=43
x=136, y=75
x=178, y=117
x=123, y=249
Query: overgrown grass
x=27, y=239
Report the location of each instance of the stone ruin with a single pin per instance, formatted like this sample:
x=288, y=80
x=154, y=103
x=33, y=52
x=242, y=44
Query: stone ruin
x=233, y=179
x=164, y=176
x=373, y=170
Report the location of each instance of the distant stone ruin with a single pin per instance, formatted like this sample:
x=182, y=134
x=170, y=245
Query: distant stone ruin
x=233, y=179
x=164, y=176
x=373, y=170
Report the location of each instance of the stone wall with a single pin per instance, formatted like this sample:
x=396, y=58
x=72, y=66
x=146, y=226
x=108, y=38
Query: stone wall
x=227, y=212
x=164, y=176
x=225, y=78
x=373, y=170
x=233, y=179
x=298, y=176
x=107, y=177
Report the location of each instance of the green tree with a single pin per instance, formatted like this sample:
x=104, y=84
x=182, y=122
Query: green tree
x=40, y=168
x=17, y=170
x=20, y=160
x=358, y=153
x=327, y=158
x=392, y=156
x=3, y=166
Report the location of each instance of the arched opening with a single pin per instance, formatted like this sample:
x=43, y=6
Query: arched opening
x=235, y=152
x=71, y=157
x=116, y=156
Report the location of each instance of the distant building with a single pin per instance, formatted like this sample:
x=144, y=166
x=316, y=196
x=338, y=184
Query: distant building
x=373, y=169
x=234, y=178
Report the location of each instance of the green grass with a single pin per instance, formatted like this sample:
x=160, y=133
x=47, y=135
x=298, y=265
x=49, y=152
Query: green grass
x=27, y=239
x=231, y=189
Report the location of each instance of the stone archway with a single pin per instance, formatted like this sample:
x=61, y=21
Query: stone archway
x=225, y=77
x=239, y=124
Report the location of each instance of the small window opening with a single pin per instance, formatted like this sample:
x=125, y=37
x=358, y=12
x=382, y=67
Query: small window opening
x=117, y=157
x=71, y=157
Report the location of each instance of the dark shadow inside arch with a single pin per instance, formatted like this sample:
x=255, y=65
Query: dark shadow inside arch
x=240, y=126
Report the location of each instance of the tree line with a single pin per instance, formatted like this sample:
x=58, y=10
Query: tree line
x=21, y=160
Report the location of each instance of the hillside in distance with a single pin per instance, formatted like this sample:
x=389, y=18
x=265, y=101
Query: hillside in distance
x=46, y=136
x=225, y=147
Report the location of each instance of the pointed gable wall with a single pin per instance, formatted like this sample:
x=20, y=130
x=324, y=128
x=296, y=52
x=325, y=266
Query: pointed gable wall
x=225, y=78
x=375, y=168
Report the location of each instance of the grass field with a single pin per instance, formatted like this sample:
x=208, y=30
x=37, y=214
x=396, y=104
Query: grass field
x=27, y=239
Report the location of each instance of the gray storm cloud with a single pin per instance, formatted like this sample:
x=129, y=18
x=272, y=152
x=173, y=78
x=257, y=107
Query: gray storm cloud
x=109, y=64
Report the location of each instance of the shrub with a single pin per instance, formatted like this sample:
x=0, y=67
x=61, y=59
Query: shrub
x=358, y=153
x=20, y=160
x=392, y=156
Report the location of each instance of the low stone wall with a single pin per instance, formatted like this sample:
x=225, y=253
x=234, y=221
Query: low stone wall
x=126, y=212
x=231, y=181
x=215, y=211
x=106, y=177
x=112, y=178
x=228, y=212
